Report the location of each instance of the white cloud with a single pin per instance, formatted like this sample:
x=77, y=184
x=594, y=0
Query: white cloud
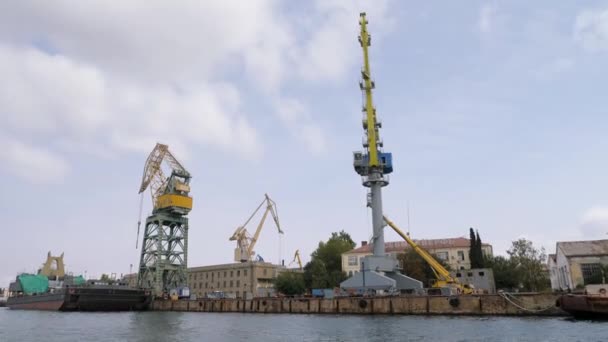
x=487, y=16
x=328, y=54
x=591, y=29
x=594, y=224
x=54, y=96
x=297, y=118
x=118, y=77
x=37, y=165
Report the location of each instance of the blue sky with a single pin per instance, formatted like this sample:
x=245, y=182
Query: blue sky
x=494, y=112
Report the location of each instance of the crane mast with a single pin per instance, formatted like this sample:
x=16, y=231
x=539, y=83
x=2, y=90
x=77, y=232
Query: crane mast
x=378, y=271
x=164, y=253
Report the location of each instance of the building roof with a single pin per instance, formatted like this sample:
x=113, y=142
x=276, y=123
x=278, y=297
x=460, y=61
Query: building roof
x=399, y=246
x=583, y=248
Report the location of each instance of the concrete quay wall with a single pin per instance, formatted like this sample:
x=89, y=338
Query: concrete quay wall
x=519, y=305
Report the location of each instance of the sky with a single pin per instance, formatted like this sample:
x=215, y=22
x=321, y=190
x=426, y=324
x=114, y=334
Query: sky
x=494, y=112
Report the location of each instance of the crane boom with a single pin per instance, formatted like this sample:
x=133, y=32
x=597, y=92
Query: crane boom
x=296, y=258
x=367, y=85
x=176, y=183
x=443, y=275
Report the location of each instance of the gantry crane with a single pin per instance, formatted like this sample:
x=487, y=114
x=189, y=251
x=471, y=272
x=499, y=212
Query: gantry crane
x=164, y=253
x=296, y=257
x=246, y=243
x=443, y=277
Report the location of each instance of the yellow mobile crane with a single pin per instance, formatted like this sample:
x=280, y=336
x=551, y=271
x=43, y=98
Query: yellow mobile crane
x=296, y=257
x=244, y=241
x=444, y=279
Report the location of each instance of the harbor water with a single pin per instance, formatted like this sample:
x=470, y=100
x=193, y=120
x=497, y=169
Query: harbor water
x=33, y=326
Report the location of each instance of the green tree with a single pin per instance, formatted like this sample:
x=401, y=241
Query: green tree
x=105, y=277
x=505, y=273
x=472, y=248
x=413, y=265
x=479, y=251
x=325, y=267
x=529, y=262
x=475, y=252
x=290, y=283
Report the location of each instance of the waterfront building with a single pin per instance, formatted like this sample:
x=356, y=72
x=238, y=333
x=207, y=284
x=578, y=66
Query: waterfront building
x=235, y=280
x=454, y=251
x=577, y=263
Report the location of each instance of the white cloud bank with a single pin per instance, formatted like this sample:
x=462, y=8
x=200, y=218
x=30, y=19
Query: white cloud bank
x=121, y=76
x=591, y=29
x=594, y=224
x=487, y=16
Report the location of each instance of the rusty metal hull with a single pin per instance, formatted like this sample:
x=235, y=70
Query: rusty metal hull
x=85, y=299
x=584, y=306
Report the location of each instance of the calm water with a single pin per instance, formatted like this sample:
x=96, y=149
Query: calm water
x=32, y=326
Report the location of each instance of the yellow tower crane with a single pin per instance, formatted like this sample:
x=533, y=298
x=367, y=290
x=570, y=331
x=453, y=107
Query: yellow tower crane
x=246, y=243
x=444, y=279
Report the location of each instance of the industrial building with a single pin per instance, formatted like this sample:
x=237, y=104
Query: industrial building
x=454, y=251
x=577, y=263
x=236, y=280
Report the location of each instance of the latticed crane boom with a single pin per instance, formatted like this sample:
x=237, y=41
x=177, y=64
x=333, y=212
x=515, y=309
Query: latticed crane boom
x=246, y=243
x=169, y=191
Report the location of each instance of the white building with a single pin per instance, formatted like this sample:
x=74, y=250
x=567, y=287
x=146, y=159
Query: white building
x=576, y=263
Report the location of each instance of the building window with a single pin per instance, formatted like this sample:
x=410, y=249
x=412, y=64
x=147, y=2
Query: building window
x=218, y=284
x=195, y=276
x=224, y=283
x=352, y=260
x=238, y=283
x=591, y=273
x=238, y=273
x=469, y=274
x=245, y=273
x=231, y=273
x=264, y=271
x=442, y=255
x=206, y=285
x=461, y=255
x=206, y=275
x=481, y=274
